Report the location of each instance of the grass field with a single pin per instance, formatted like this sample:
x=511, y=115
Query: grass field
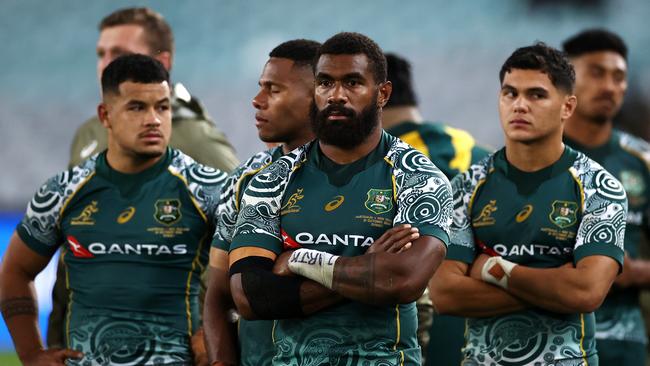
x=9, y=359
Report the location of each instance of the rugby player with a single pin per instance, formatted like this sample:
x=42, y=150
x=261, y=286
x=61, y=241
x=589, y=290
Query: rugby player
x=600, y=60
x=141, y=30
x=282, y=103
x=329, y=200
x=136, y=221
x=537, y=237
x=452, y=150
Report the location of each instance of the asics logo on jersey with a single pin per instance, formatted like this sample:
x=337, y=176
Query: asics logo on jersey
x=530, y=249
x=137, y=249
x=85, y=217
x=126, y=215
x=485, y=218
x=334, y=204
x=524, y=213
x=334, y=239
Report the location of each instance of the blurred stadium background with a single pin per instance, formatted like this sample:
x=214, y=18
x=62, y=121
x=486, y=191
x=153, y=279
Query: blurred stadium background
x=48, y=83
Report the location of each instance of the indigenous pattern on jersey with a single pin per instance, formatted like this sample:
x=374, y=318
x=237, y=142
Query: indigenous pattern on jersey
x=237, y=181
x=562, y=213
x=255, y=340
x=628, y=159
x=452, y=150
x=306, y=200
x=134, y=246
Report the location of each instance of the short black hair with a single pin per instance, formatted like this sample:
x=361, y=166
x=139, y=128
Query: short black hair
x=594, y=40
x=351, y=43
x=133, y=67
x=399, y=74
x=301, y=51
x=546, y=59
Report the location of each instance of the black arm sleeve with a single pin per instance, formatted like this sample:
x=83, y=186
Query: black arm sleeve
x=269, y=295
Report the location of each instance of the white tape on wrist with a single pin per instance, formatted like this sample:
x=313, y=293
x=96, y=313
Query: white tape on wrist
x=493, y=268
x=316, y=265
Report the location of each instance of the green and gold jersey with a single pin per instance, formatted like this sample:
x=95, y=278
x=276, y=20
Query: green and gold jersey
x=255, y=339
x=306, y=200
x=452, y=150
x=562, y=213
x=628, y=159
x=134, y=247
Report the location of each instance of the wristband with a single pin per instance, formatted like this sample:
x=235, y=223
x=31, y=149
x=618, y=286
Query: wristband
x=497, y=270
x=313, y=264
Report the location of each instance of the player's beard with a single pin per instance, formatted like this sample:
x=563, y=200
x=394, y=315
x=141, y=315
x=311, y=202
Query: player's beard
x=348, y=133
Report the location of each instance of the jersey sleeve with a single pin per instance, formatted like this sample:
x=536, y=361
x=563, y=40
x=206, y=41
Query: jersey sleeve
x=602, y=228
x=423, y=195
x=258, y=221
x=462, y=246
x=39, y=228
x=228, y=206
x=203, y=182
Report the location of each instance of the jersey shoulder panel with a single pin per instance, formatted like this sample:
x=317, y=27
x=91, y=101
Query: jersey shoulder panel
x=604, y=204
x=465, y=186
x=39, y=227
x=203, y=182
x=228, y=206
x=261, y=200
x=635, y=146
x=422, y=191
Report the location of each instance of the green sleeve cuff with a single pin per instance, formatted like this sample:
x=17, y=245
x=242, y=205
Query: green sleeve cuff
x=35, y=245
x=434, y=231
x=257, y=240
x=607, y=250
x=220, y=244
x=461, y=253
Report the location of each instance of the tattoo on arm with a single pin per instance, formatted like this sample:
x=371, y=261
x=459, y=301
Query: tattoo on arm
x=18, y=306
x=361, y=274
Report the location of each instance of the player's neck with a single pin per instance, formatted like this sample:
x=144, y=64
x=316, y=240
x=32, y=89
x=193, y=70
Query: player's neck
x=129, y=163
x=531, y=157
x=586, y=132
x=395, y=115
x=306, y=136
x=347, y=156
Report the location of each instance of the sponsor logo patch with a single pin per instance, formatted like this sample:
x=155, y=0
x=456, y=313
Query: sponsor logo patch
x=77, y=249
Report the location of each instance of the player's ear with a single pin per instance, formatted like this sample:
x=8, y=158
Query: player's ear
x=569, y=106
x=385, y=89
x=102, y=114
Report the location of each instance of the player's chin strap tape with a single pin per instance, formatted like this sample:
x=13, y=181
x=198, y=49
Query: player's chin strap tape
x=270, y=296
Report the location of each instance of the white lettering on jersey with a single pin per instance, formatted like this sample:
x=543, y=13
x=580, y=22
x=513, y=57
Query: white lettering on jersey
x=334, y=239
x=138, y=249
x=530, y=249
